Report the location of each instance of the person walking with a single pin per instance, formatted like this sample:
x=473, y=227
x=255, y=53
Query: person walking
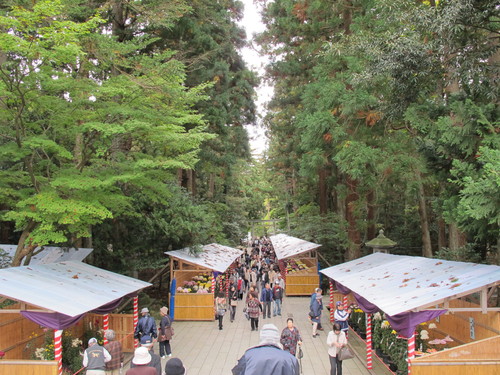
x=254, y=307
x=336, y=339
x=277, y=298
x=155, y=362
x=140, y=363
x=315, y=313
x=266, y=299
x=341, y=316
x=95, y=358
x=233, y=302
x=114, y=349
x=220, y=308
x=290, y=337
x=145, y=326
x=165, y=333
x=317, y=292
x=268, y=357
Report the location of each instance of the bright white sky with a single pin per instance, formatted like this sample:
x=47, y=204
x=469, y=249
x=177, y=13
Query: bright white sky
x=253, y=24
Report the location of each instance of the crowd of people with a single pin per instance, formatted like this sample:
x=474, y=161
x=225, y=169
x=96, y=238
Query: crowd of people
x=257, y=281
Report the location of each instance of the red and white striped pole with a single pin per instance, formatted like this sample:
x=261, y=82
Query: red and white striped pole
x=332, y=305
x=344, y=302
x=136, y=318
x=105, y=326
x=212, y=289
x=411, y=351
x=368, y=341
x=58, y=349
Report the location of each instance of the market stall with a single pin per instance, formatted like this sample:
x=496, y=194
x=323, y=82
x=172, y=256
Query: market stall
x=193, y=279
x=298, y=262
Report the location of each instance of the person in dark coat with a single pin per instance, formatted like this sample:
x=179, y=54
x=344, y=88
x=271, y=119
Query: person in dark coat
x=146, y=325
x=140, y=363
x=315, y=313
x=147, y=342
x=268, y=357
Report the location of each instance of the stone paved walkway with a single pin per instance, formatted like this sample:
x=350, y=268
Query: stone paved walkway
x=205, y=350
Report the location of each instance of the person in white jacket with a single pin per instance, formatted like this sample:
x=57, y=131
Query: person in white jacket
x=336, y=339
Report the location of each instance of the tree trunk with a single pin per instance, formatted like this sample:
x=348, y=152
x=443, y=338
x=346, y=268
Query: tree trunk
x=457, y=238
x=323, y=192
x=371, y=230
x=354, y=236
x=211, y=185
x=347, y=16
x=23, y=249
x=424, y=219
x=441, y=234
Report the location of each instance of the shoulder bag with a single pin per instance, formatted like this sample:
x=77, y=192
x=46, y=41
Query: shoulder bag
x=344, y=353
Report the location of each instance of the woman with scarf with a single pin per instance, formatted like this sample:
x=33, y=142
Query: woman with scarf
x=290, y=337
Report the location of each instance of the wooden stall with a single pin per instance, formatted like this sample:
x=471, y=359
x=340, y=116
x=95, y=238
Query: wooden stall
x=476, y=358
x=301, y=262
x=193, y=277
x=302, y=274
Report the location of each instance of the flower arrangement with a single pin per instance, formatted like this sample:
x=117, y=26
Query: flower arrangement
x=71, y=354
x=294, y=265
x=200, y=284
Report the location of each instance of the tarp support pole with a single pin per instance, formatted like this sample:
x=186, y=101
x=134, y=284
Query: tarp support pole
x=136, y=318
x=332, y=305
x=105, y=326
x=58, y=349
x=411, y=351
x=213, y=283
x=368, y=341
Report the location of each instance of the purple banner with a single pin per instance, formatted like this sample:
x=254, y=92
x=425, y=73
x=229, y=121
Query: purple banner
x=404, y=324
x=52, y=320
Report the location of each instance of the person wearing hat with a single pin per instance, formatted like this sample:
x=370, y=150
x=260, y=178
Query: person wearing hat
x=140, y=363
x=165, y=333
x=174, y=366
x=268, y=357
x=341, y=316
x=146, y=325
x=155, y=360
x=95, y=358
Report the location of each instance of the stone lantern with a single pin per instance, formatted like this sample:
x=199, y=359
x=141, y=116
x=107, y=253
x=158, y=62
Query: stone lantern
x=381, y=244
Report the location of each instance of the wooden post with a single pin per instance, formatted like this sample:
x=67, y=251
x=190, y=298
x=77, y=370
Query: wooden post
x=58, y=349
x=368, y=341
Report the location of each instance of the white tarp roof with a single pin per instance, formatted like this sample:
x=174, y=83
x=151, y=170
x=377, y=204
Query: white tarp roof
x=70, y=288
x=52, y=254
x=398, y=283
x=286, y=246
x=214, y=256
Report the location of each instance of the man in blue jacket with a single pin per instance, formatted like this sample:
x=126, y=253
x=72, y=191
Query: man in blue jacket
x=146, y=325
x=266, y=299
x=268, y=357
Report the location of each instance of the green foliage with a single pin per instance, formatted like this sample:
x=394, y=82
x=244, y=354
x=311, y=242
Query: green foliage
x=86, y=121
x=462, y=254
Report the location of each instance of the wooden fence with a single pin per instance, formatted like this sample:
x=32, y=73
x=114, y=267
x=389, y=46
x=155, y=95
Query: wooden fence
x=20, y=367
x=20, y=336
